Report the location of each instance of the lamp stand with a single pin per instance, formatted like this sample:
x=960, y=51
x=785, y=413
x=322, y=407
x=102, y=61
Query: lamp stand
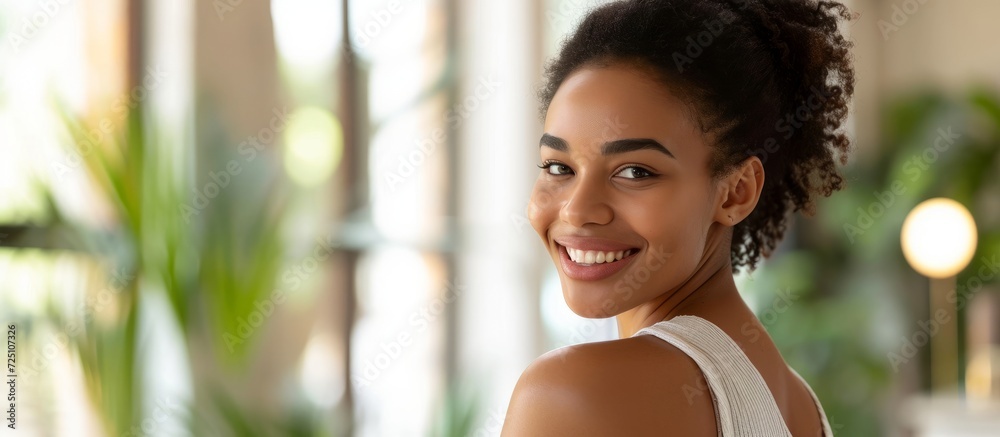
x=944, y=343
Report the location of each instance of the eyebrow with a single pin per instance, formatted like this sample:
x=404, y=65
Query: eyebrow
x=610, y=147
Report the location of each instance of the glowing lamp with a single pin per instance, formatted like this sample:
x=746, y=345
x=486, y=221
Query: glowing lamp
x=939, y=240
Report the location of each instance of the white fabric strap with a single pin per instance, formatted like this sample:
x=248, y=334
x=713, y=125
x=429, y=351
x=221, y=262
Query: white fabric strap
x=744, y=406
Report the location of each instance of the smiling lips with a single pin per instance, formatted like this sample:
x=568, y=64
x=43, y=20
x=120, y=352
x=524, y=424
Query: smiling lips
x=596, y=257
x=592, y=259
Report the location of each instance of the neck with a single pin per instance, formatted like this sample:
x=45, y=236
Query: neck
x=710, y=289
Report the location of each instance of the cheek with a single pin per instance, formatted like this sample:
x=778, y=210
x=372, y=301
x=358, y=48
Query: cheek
x=675, y=227
x=542, y=208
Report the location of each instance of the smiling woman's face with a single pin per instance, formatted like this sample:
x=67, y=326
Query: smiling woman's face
x=626, y=175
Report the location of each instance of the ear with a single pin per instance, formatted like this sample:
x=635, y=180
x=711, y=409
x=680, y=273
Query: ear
x=739, y=191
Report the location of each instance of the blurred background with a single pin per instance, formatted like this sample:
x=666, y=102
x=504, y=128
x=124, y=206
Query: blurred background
x=307, y=217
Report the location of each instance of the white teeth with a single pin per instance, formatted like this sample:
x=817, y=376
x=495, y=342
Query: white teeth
x=595, y=257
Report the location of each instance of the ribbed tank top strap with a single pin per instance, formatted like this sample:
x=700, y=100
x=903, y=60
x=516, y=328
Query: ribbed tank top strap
x=744, y=406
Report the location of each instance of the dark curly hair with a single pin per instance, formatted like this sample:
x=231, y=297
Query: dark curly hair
x=770, y=78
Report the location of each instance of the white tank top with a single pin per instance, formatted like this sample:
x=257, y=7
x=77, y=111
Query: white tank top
x=744, y=405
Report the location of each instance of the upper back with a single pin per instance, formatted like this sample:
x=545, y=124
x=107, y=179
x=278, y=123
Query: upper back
x=746, y=401
x=632, y=386
x=642, y=386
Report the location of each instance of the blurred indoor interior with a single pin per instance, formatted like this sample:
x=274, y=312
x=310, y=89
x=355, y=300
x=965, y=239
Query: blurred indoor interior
x=307, y=217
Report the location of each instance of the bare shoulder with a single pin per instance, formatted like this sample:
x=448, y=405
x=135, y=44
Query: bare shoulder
x=633, y=386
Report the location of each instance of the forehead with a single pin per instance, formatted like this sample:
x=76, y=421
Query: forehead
x=597, y=104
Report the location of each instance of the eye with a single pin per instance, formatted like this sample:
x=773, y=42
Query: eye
x=555, y=168
x=635, y=173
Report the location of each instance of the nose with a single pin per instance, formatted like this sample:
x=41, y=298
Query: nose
x=586, y=204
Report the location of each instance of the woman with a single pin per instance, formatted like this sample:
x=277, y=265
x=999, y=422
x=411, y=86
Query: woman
x=678, y=136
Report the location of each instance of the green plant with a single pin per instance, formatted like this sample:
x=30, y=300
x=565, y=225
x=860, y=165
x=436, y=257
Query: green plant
x=214, y=264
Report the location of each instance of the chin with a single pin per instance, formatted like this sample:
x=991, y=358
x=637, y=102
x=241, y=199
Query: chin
x=592, y=304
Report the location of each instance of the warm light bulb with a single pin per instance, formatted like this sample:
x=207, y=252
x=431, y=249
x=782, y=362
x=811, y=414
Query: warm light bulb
x=939, y=238
x=314, y=144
